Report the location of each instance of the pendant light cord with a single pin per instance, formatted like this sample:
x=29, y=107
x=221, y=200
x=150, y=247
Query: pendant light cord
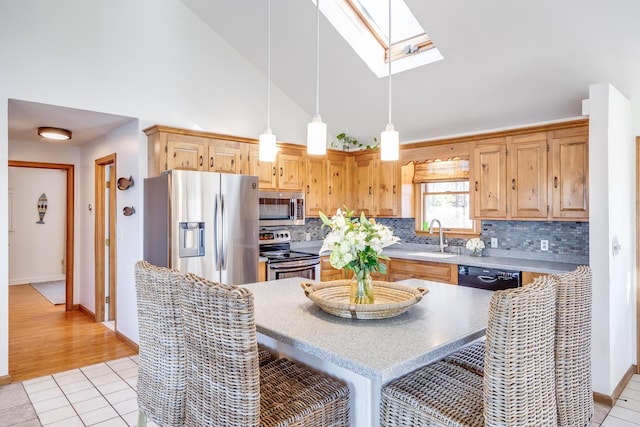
x=268, y=61
x=389, y=53
x=317, y=57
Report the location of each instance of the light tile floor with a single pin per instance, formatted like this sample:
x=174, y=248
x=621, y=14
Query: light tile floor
x=105, y=395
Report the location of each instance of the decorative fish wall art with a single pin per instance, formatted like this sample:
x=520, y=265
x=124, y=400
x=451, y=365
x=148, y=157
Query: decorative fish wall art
x=42, y=207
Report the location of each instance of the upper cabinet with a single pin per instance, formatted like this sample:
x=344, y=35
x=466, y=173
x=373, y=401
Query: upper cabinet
x=569, y=174
x=286, y=173
x=532, y=176
x=315, y=187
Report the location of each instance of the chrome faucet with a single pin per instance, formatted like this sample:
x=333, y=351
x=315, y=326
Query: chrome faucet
x=442, y=244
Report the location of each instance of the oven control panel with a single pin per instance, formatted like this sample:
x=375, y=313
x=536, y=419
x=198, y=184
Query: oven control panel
x=274, y=236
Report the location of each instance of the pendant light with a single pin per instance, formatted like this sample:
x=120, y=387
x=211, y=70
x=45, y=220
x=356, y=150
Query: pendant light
x=316, y=130
x=267, y=144
x=389, y=139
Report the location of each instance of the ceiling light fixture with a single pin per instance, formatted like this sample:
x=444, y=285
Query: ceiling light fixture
x=389, y=139
x=58, y=134
x=267, y=144
x=316, y=130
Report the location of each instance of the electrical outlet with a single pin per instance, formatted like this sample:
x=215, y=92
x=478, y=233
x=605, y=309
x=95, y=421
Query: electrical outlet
x=544, y=245
x=494, y=242
x=307, y=236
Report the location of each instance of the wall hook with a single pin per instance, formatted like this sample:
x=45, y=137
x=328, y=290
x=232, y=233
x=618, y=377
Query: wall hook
x=124, y=183
x=128, y=211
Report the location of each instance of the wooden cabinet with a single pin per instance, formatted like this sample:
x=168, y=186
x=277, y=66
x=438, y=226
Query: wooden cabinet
x=528, y=277
x=316, y=186
x=489, y=172
x=402, y=269
x=224, y=156
x=262, y=271
x=532, y=176
x=569, y=174
x=527, y=171
x=327, y=272
x=388, y=188
x=363, y=193
x=184, y=152
x=286, y=173
x=336, y=187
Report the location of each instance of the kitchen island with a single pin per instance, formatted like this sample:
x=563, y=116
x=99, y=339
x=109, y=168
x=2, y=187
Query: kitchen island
x=368, y=353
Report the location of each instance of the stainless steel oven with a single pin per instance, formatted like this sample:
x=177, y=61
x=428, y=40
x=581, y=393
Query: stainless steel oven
x=278, y=208
x=282, y=262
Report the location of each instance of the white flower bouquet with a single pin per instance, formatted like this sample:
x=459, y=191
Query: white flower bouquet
x=475, y=245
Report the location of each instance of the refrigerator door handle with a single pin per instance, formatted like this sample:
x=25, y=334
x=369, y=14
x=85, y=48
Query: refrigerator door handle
x=216, y=239
x=223, y=252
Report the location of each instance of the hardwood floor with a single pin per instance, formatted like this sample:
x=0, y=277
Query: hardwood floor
x=44, y=339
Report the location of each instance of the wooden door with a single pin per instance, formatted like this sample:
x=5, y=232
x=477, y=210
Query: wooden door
x=387, y=188
x=489, y=186
x=569, y=179
x=224, y=159
x=316, y=186
x=528, y=176
x=185, y=153
x=265, y=171
x=336, y=184
x=290, y=171
x=364, y=185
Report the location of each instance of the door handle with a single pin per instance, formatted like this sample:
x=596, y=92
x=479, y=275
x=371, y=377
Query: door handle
x=308, y=190
x=216, y=240
x=281, y=171
x=329, y=190
x=201, y=160
x=513, y=184
x=394, y=189
x=555, y=182
x=476, y=185
x=211, y=162
x=274, y=171
x=369, y=190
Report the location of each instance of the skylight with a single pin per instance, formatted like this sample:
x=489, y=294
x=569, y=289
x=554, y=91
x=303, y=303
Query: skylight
x=364, y=24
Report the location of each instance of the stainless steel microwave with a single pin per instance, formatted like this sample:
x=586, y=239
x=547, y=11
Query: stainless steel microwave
x=281, y=208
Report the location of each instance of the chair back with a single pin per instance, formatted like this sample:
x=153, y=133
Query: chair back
x=223, y=378
x=519, y=368
x=573, y=347
x=161, y=366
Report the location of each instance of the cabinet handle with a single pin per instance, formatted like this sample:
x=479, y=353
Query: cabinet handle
x=555, y=182
x=308, y=190
x=201, y=160
x=274, y=171
x=233, y=161
x=329, y=189
x=281, y=172
x=394, y=189
x=369, y=190
x=476, y=185
x=211, y=162
x=513, y=184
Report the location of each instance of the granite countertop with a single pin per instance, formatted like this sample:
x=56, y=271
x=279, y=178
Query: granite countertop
x=422, y=253
x=380, y=349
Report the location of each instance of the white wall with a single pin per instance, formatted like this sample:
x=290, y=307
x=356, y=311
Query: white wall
x=149, y=59
x=37, y=251
x=612, y=196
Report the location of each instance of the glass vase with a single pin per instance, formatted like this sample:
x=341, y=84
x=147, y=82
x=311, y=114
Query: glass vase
x=361, y=291
x=476, y=252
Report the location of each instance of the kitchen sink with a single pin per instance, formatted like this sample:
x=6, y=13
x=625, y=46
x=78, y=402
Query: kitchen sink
x=434, y=254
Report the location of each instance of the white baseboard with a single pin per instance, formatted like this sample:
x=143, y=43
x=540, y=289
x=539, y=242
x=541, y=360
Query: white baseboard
x=37, y=279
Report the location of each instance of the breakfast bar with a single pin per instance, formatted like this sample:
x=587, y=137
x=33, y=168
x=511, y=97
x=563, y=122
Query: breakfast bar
x=368, y=353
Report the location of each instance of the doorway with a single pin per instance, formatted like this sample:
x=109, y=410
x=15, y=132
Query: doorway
x=69, y=223
x=105, y=238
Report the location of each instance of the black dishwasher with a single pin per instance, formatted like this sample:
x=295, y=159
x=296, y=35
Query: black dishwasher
x=488, y=278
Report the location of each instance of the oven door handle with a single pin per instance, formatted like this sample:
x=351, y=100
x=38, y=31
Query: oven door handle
x=487, y=279
x=291, y=268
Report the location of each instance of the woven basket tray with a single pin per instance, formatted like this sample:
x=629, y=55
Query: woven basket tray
x=391, y=299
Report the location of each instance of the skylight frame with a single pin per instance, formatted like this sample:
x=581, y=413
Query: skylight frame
x=369, y=41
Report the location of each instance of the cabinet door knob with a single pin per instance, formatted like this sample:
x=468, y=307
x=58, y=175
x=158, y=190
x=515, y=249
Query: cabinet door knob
x=329, y=189
x=513, y=184
x=369, y=190
x=476, y=185
x=394, y=189
x=201, y=161
x=211, y=161
x=281, y=171
x=274, y=171
x=308, y=190
x=555, y=182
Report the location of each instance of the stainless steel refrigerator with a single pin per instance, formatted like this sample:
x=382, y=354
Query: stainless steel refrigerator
x=204, y=223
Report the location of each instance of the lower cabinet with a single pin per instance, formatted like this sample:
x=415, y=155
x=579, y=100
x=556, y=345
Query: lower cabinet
x=399, y=269
x=402, y=269
x=262, y=271
x=528, y=277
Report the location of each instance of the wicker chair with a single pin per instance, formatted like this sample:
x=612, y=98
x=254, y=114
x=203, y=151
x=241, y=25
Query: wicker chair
x=470, y=357
x=518, y=386
x=225, y=385
x=573, y=348
x=161, y=369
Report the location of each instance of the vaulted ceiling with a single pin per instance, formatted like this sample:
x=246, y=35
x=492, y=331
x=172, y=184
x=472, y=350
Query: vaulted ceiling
x=506, y=63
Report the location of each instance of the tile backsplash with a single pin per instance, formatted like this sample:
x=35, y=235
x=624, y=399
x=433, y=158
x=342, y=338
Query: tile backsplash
x=568, y=241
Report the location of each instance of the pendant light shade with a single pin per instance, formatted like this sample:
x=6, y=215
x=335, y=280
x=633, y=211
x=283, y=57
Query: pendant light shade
x=389, y=139
x=267, y=149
